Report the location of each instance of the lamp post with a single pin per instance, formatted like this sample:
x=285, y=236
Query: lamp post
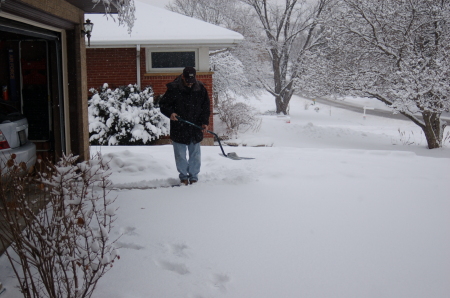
x=87, y=30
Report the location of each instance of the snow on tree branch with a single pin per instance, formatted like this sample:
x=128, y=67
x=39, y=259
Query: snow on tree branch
x=395, y=51
x=125, y=9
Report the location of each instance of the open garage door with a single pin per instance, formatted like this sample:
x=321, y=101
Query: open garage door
x=31, y=80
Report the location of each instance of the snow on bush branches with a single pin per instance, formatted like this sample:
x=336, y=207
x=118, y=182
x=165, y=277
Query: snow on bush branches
x=60, y=235
x=238, y=117
x=125, y=116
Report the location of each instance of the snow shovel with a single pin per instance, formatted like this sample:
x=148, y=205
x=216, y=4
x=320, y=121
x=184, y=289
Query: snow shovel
x=231, y=155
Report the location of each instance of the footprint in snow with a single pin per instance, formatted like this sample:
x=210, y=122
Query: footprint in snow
x=178, y=250
x=129, y=245
x=220, y=281
x=174, y=267
x=130, y=231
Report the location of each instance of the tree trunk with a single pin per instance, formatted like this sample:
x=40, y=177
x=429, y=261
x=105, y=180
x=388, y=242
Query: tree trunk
x=283, y=93
x=277, y=80
x=282, y=102
x=279, y=104
x=285, y=106
x=433, y=129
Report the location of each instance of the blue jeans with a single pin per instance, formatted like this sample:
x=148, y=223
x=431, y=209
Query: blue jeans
x=188, y=168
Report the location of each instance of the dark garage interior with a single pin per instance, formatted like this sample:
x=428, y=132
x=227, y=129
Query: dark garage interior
x=30, y=76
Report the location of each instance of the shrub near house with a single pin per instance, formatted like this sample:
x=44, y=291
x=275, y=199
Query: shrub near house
x=125, y=116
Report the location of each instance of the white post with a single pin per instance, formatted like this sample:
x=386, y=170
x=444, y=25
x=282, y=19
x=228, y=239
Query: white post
x=138, y=66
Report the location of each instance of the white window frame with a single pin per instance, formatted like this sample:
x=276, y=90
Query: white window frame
x=148, y=60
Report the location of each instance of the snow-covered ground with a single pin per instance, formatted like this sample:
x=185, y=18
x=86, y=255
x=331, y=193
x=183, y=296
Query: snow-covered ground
x=334, y=205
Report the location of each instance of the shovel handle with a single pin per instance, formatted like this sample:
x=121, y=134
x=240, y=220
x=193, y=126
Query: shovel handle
x=201, y=128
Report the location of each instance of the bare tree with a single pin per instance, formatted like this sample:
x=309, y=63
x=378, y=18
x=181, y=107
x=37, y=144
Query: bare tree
x=290, y=31
x=276, y=37
x=394, y=51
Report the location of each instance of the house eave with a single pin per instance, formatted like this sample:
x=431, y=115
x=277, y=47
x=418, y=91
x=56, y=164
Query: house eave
x=166, y=44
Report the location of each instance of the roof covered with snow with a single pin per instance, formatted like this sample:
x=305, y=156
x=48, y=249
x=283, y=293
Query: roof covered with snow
x=160, y=27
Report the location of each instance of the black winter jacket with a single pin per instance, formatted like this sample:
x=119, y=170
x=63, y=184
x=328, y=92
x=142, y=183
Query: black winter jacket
x=191, y=104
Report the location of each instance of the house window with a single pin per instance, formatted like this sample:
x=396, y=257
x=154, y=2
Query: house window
x=173, y=59
x=158, y=61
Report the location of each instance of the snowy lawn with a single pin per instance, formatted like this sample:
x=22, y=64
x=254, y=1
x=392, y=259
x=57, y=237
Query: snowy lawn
x=338, y=206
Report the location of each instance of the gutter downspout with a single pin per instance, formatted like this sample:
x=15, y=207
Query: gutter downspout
x=138, y=65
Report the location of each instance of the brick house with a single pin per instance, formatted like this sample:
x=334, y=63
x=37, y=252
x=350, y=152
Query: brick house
x=161, y=44
x=42, y=66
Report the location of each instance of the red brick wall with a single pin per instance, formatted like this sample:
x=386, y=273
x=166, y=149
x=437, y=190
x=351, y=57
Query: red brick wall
x=117, y=67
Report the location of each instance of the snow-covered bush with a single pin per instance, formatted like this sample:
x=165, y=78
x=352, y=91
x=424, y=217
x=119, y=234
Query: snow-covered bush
x=229, y=76
x=125, y=116
x=237, y=116
x=230, y=82
x=60, y=235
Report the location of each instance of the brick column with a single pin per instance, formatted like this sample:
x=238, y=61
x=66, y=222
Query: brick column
x=78, y=106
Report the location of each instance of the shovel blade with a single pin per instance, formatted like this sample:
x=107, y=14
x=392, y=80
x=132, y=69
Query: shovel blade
x=234, y=156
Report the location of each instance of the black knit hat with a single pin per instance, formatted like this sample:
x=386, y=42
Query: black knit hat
x=189, y=75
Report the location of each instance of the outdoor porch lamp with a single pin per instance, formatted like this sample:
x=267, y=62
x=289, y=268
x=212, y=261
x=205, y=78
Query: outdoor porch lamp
x=87, y=30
